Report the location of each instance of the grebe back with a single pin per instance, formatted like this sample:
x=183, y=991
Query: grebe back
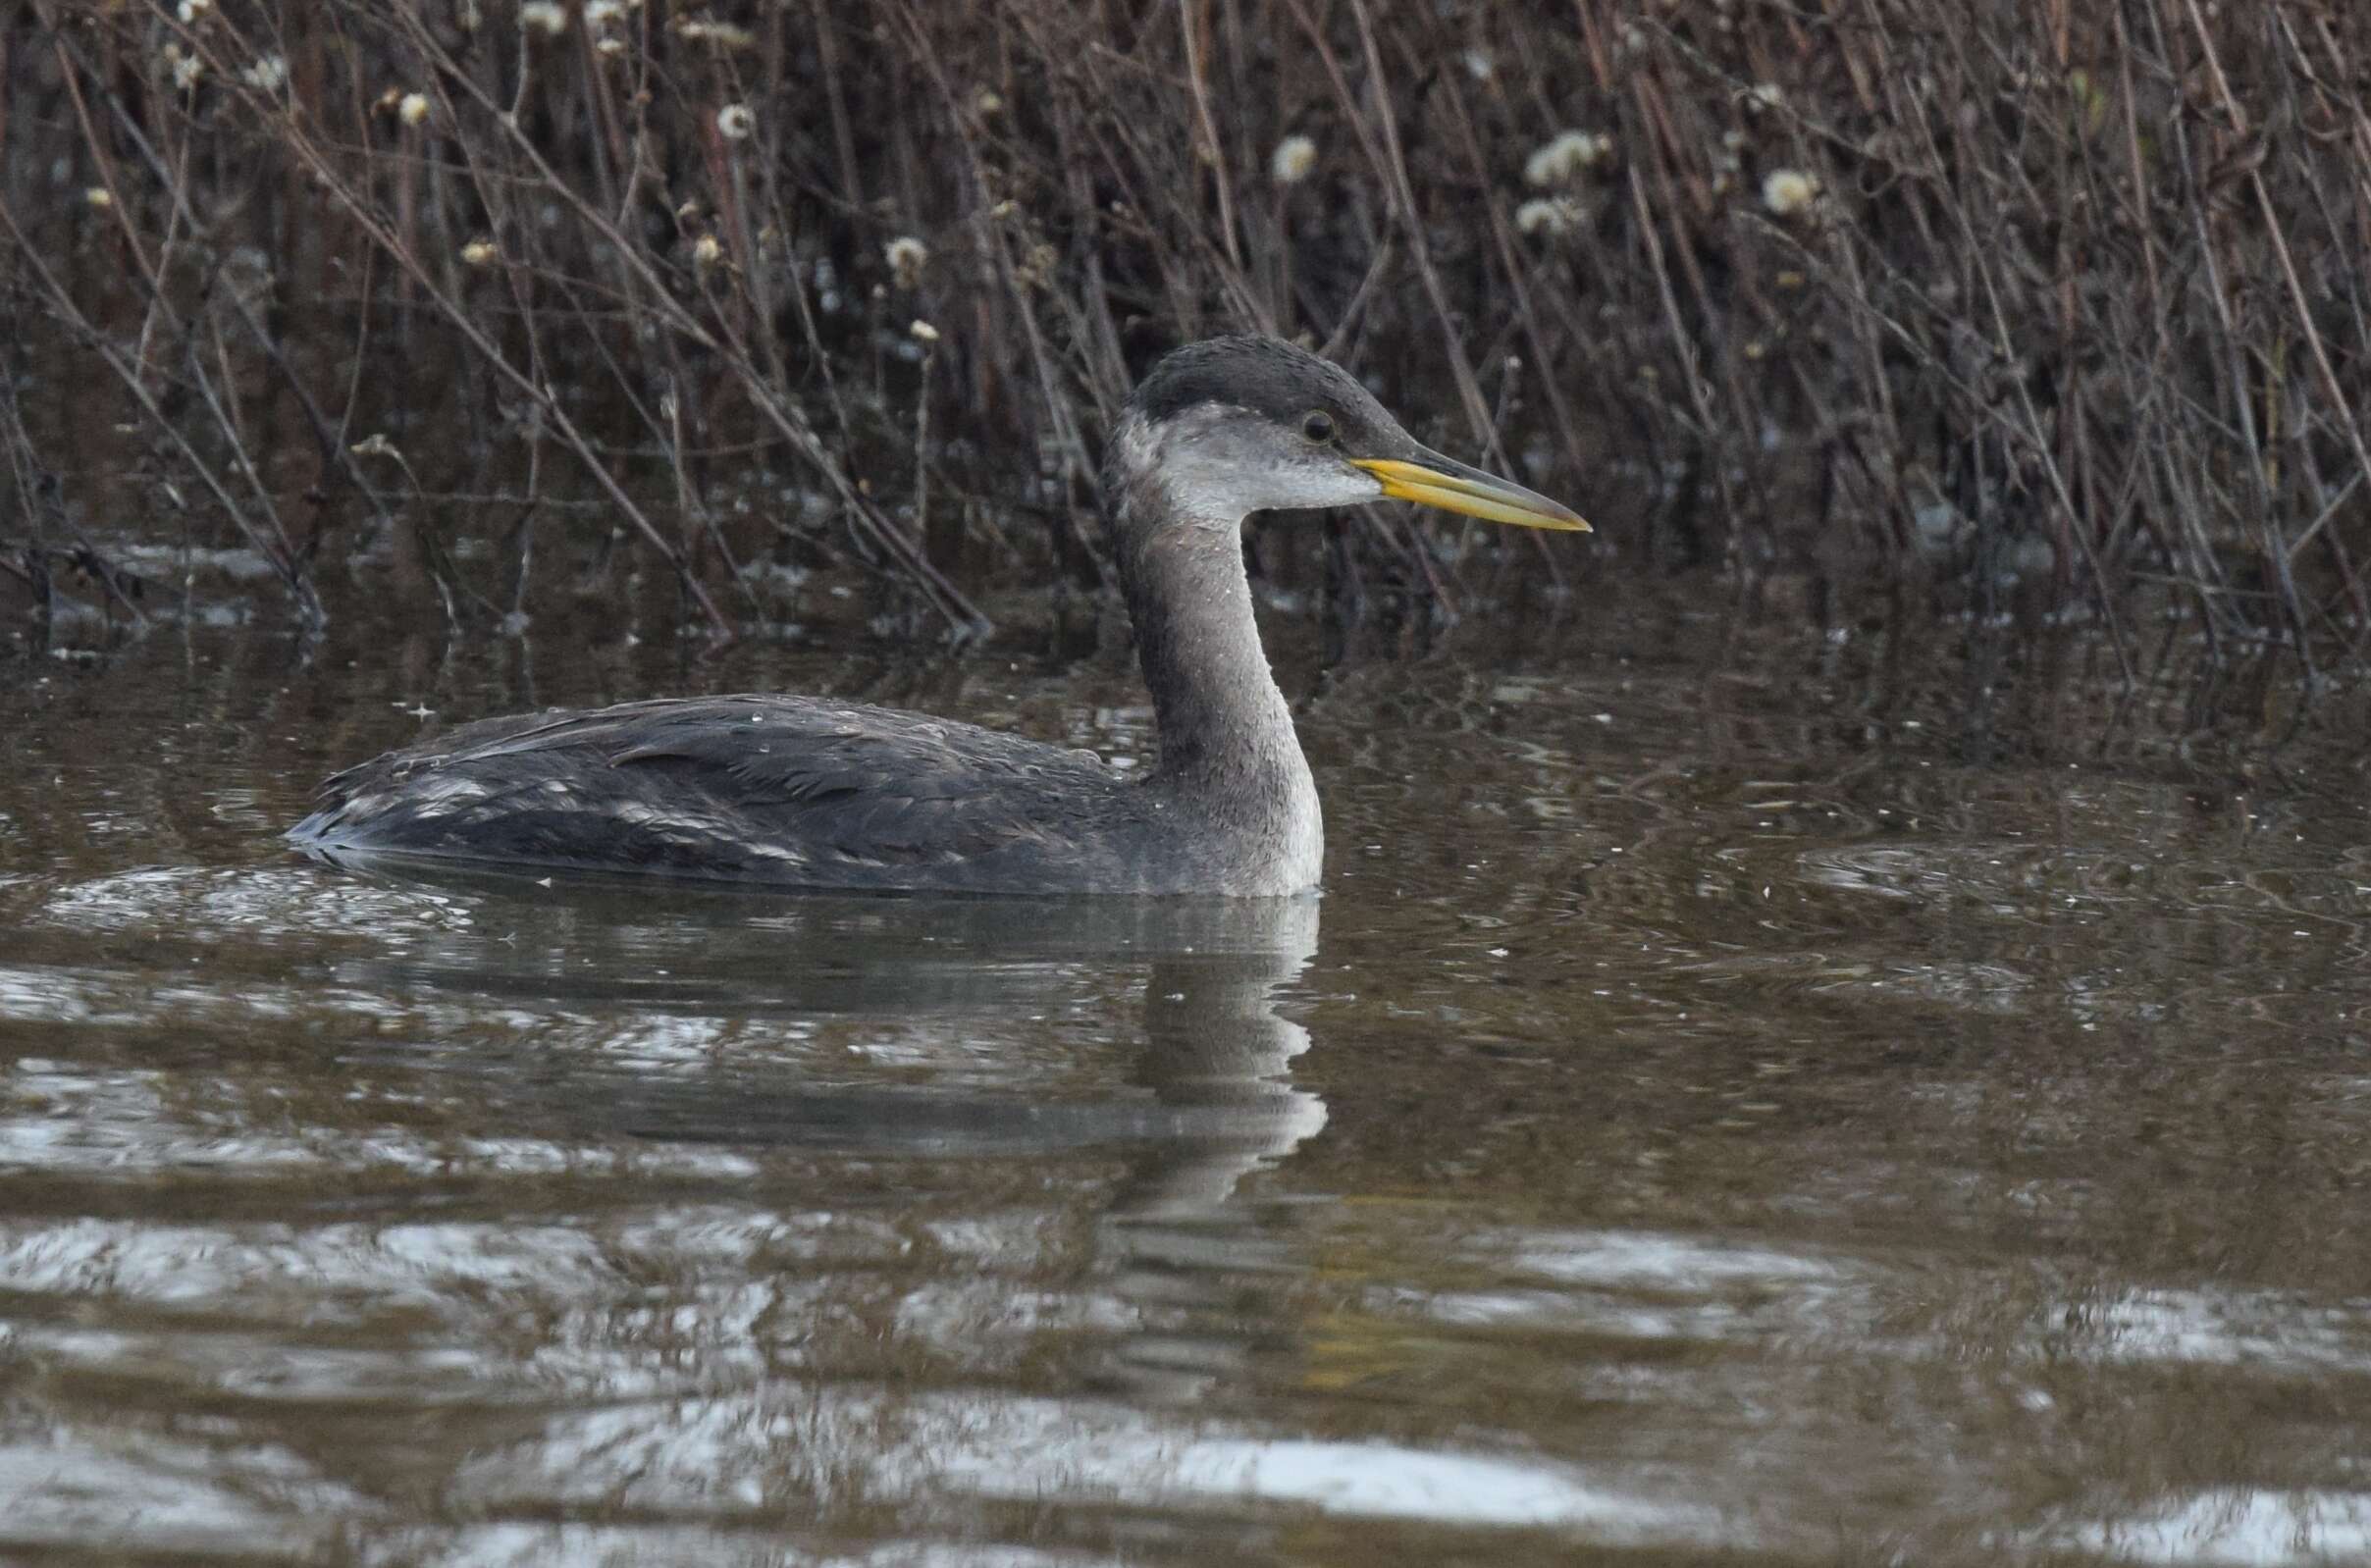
x=807, y=792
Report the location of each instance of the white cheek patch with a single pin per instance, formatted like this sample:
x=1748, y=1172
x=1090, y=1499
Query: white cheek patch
x=1207, y=465
x=1330, y=484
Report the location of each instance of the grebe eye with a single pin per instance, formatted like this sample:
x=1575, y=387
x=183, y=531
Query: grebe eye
x=1318, y=426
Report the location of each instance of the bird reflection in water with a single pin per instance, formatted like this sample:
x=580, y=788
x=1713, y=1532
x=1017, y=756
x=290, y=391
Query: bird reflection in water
x=969, y=990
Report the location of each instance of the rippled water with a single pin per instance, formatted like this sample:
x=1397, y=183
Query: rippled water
x=1726, y=1104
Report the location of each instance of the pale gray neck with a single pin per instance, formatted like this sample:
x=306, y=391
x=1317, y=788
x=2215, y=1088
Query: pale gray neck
x=1227, y=748
x=1224, y=724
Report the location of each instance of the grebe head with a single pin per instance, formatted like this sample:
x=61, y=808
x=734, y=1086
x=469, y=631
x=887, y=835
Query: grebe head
x=1232, y=426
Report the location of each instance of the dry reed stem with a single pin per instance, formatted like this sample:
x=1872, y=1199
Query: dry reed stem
x=2074, y=322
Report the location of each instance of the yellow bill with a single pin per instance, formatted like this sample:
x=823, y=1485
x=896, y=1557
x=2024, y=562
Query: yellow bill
x=1452, y=487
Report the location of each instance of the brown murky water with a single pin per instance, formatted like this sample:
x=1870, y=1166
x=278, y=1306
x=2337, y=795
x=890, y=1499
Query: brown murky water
x=1709, y=1114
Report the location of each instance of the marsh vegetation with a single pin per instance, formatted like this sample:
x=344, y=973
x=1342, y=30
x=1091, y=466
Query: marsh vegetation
x=2012, y=310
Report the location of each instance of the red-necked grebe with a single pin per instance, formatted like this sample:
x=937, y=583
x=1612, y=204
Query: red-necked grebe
x=803, y=792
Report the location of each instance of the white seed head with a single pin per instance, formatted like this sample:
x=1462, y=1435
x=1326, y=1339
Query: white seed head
x=99, y=196
x=544, y=17
x=1787, y=191
x=186, y=70
x=1562, y=157
x=268, y=75
x=190, y=11
x=413, y=110
x=723, y=35
x=1552, y=216
x=922, y=331
x=987, y=101
x=706, y=251
x=1764, y=95
x=735, y=123
x=906, y=257
x=481, y=253
x=610, y=47
x=602, y=13
x=1290, y=164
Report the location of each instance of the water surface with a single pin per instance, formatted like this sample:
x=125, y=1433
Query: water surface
x=1730, y=1101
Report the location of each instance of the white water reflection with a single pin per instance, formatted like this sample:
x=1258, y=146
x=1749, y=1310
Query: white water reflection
x=143, y=1492
x=721, y=1456
x=2261, y=1330
x=2240, y=1528
x=1636, y=1259
x=570, y=1545
x=277, y=901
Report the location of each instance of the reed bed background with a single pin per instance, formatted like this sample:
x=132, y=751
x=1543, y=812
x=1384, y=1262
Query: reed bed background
x=1990, y=306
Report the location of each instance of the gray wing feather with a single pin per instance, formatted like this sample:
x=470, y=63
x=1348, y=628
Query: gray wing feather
x=768, y=785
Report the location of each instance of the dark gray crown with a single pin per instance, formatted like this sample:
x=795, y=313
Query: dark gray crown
x=1265, y=375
